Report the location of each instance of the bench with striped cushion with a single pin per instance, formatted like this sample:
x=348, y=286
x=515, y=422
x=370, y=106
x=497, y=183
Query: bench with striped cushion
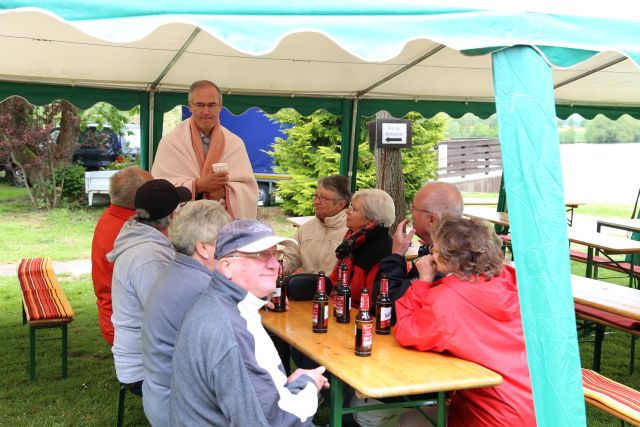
x=44, y=305
x=42, y=296
x=610, y=396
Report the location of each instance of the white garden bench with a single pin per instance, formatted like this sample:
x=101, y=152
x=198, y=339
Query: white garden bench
x=97, y=182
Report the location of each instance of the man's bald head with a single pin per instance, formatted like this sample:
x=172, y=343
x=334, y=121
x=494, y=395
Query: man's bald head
x=440, y=198
x=432, y=202
x=124, y=184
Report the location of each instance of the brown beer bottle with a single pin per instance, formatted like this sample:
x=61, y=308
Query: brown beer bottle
x=364, y=326
x=383, y=308
x=342, y=300
x=320, y=306
x=335, y=288
x=279, y=297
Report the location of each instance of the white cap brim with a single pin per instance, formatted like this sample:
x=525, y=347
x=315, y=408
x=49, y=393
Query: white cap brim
x=265, y=243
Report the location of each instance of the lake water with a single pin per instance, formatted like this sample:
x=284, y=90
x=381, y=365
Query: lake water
x=601, y=173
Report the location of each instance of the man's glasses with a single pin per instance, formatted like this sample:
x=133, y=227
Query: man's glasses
x=412, y=209
x=202, y=105
x=262, y=256
x=324, y=199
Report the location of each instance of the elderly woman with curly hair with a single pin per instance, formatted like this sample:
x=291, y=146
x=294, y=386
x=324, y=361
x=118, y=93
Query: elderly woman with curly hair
x=367, y=241
x=472, y=312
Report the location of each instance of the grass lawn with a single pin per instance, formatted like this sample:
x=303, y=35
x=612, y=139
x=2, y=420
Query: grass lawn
x=65, y=234
x=61, y=234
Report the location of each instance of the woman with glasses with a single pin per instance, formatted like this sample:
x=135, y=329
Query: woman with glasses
x=473, y=312
x=367, y=241
x=317, y=239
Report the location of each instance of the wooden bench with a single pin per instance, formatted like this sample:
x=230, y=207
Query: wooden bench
x=44, y=306
x=604, y=262
x=579, y=256
x=603, y=319
x=97, y=182
x=610, y=396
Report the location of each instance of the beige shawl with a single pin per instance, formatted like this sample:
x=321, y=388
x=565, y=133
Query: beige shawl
x=180, y=159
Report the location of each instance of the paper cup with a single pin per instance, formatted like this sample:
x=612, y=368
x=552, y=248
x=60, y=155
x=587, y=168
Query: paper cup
x=219, y=167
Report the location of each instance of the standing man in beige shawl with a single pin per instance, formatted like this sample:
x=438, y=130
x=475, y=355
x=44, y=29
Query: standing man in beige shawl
x=186, y=155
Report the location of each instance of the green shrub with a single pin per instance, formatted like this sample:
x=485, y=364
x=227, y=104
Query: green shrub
x=312, y=150
x=73, y=187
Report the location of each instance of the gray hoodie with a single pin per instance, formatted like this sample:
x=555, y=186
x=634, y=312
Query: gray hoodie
x=140, y=254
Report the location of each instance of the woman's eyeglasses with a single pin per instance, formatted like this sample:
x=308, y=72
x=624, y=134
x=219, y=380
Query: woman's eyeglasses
x=323, y=199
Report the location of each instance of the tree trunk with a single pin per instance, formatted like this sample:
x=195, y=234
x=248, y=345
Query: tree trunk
x=389, y=175
x=69, y=131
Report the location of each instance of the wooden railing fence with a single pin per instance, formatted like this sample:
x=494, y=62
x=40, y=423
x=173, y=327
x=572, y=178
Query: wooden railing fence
x=468, y=156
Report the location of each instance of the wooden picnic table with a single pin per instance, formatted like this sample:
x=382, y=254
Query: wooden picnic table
x=502, y=218
x=299, y=221
x=625, y=224
x=606, y=296
x=487, y=214
x=391, y=370
x=606, y=244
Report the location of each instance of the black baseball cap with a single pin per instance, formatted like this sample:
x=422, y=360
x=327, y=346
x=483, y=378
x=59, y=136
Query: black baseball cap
x=159, y=197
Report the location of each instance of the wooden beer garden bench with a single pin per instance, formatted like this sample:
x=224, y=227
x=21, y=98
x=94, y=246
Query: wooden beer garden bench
x=610, y=396
x=603, y=319
x=44, y=306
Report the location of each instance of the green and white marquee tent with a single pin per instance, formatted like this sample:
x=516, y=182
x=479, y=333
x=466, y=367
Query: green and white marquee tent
x=528, y=62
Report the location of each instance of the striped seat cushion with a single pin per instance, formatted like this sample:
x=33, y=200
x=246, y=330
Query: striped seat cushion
x=613, y=395
x=41, y=293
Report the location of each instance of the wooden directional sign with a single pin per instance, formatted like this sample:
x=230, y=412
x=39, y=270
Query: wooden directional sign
x=393, y=133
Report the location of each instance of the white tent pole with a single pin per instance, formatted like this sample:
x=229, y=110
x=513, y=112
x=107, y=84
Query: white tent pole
x=352, y=142
x=588, y=73
x=150, y=140
x=401, y=70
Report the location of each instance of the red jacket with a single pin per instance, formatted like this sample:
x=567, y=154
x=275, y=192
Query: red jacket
x=477, y=321
x=107, y=229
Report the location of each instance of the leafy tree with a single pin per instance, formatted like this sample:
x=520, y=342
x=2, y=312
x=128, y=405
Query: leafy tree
x=604, y=130
x=471, y=126
x=103, y=114
x=25, y=137
x=567, y=136
x=43, y=156
x=312, y=150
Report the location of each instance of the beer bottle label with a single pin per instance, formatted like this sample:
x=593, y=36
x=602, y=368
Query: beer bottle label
x=339, y=304
x=367, y=335
x=385, y=317
x=325, y=319
x=315, y=314
x=277, y=293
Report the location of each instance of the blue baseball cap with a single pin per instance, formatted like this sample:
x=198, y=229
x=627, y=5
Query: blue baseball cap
x=248, y=236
